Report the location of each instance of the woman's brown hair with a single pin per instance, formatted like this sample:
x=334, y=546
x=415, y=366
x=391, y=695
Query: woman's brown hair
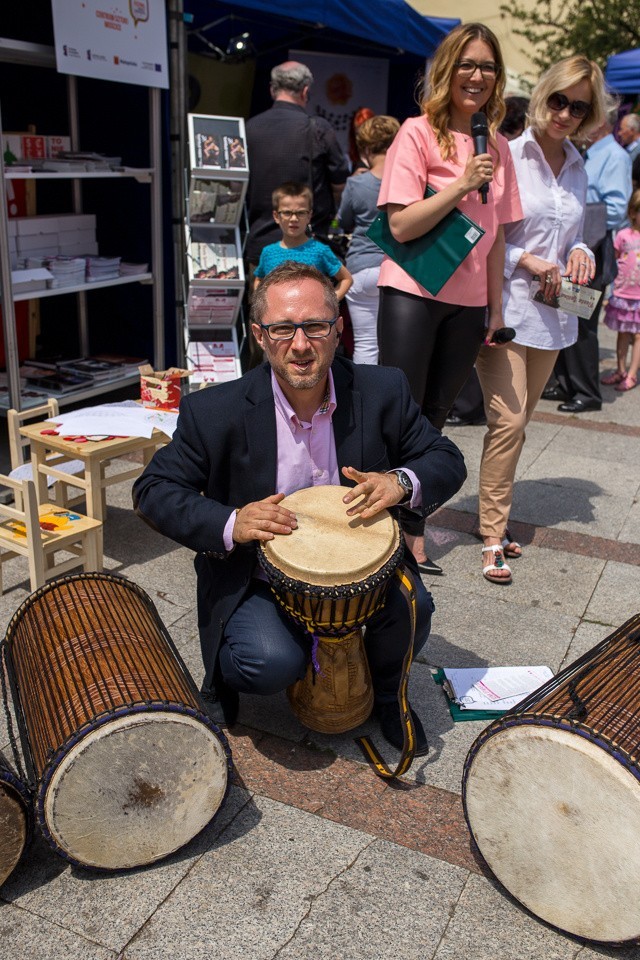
x=437, y=97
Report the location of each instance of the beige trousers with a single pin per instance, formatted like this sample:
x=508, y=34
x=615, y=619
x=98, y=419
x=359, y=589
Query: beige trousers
x=512, y=379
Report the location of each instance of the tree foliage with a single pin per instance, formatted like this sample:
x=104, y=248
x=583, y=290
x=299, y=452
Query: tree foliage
x=559, y=28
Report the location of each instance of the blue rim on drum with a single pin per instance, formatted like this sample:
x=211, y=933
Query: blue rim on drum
x=15, y=819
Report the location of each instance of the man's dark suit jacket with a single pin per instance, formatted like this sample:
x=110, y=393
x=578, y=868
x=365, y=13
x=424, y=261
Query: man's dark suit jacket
x=225, y=448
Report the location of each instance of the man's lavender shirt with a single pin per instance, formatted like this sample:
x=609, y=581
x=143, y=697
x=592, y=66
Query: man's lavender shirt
x=307, y=451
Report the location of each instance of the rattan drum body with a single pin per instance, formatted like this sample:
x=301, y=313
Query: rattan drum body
x=15, y=818
x=330, y=576
x=551, y=794
x=128, y=766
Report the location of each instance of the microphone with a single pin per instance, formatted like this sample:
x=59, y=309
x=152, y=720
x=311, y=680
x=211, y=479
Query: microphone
x=480, y=134
x=503, y=335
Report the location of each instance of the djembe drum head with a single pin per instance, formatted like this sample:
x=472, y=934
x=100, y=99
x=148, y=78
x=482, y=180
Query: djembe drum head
x=15, y=820
x=551, y=794
x=151, y=782
x=328, y=548
x=127, y=766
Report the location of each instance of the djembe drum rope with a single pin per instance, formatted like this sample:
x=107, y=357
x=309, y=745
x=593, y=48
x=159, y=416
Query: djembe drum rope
x=604, y=685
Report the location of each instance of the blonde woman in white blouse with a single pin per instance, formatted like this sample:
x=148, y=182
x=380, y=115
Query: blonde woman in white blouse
x=568, y=101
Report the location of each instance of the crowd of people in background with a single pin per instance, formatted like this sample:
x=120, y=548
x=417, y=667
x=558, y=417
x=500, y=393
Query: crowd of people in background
x=552, y=194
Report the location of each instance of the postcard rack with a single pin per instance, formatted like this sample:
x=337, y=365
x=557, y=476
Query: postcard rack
x=214, y=273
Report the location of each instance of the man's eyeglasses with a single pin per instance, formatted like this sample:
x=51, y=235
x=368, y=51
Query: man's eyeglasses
x=289, y=214
x=313, y=329
x=466, y=68
x=577, y=108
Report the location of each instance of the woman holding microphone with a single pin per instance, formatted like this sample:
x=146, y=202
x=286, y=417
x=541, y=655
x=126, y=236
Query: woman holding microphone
x=568, y=101
x=435, y=340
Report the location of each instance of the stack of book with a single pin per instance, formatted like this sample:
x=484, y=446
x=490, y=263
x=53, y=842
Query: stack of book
x=68, y=161
x=54, y=380
x=100, y=269
x=61, y=376
x=133, y=269
x=67, y=271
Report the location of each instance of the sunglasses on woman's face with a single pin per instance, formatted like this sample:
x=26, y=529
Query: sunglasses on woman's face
x=577, y=108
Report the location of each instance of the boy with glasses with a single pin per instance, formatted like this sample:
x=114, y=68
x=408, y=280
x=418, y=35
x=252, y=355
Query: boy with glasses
x=292, y=211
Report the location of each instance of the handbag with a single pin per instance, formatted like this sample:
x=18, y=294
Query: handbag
x=433, y=258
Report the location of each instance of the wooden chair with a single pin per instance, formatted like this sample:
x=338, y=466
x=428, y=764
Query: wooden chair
x=63, y=493
x=31, y=531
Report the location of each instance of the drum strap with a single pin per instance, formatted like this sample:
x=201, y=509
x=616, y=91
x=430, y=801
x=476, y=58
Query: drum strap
x=370, y=752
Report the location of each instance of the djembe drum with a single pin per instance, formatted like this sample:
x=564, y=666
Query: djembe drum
x=330, y=575
x=552, y=798
x=15, y=819
x=128, y=766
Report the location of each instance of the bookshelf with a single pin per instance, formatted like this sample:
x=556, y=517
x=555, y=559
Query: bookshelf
x=36, y=55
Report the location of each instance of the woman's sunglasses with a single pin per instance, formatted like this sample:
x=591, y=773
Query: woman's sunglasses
x=577, y=108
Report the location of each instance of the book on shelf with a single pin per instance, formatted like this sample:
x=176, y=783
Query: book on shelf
x=98, y=370
x=100, y=269
x=133, y=269
x=216, y=201
x=57, y=381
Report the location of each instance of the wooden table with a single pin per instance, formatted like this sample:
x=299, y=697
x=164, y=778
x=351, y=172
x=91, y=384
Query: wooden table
x=93, y=454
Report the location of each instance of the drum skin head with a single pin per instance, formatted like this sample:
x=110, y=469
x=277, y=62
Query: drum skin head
x=13, y=829
x=328, y=548
x=557, y=819
x=134, y=790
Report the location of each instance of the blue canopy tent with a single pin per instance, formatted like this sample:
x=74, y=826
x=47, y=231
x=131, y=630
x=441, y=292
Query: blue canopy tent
x=392, y=24
x=376, y=28
x=623, y=72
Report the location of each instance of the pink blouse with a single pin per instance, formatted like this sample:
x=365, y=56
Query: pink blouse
x=413, y=159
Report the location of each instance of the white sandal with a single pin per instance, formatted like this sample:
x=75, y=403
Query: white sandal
x=498, y=564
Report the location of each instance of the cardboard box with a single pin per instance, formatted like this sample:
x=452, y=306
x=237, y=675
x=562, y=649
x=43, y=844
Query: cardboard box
x=40, y=241
x=162, y=389
x=54, y=223
x=83, y=248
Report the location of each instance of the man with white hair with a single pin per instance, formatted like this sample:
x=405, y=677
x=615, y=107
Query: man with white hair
x=629, y=134
x=284, y=143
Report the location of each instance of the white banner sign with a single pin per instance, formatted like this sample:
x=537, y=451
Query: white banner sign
x=124, y=41
x=342, y=85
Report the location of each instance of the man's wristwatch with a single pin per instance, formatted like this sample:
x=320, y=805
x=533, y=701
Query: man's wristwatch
x=404, y=480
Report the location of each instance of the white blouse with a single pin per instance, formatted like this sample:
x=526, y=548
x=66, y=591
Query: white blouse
x=551, y=229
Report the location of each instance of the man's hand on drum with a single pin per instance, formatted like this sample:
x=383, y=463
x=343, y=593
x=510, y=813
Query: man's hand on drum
x=378, y=490
x=263, y=519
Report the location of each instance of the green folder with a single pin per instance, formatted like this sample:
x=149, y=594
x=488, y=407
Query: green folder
x=433, y=258
x=458, y=713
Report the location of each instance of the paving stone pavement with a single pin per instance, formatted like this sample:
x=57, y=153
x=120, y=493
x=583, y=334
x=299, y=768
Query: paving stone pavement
x=311, y=855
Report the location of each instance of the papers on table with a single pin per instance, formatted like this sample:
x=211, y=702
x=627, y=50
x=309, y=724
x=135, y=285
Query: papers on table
x=126, y=419
x=492, y=688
